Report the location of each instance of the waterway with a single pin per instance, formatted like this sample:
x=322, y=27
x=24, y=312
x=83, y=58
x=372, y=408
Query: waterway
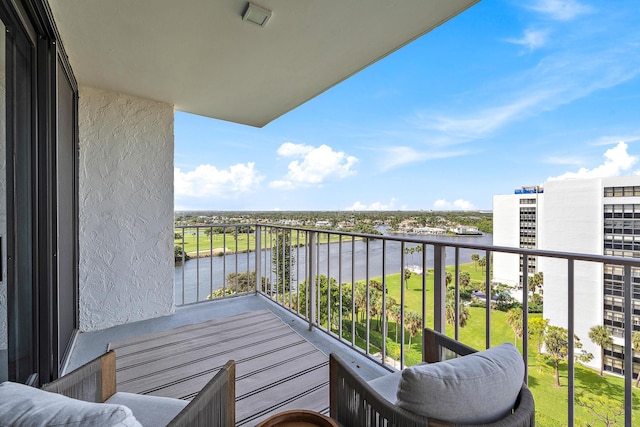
x=209, y=273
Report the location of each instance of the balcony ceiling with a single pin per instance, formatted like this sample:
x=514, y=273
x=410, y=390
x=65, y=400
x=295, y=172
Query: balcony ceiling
x=202, y=57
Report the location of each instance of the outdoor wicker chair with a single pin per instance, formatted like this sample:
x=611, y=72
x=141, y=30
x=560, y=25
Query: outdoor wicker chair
x=96, y=382
x=354, y=402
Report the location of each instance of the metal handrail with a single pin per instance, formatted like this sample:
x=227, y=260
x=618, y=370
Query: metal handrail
x=268, y=236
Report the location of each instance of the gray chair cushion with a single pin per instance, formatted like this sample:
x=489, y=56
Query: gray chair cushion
x=21, y=405
x=150, y=411
x=479, y=388
x=387, y=386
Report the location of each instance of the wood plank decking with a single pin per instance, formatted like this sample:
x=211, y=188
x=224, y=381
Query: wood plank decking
x=277, y=369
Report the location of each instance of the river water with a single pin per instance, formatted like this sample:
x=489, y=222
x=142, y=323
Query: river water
x=211, y=276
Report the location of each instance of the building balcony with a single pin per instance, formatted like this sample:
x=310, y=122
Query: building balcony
x=307, y=277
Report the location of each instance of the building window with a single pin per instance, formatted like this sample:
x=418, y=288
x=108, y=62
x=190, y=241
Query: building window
x=628, y=191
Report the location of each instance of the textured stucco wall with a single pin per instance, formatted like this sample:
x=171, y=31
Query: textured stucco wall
x=126, y=209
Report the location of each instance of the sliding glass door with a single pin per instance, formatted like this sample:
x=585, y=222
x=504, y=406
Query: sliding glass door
x=20, y=254
x=38, y=195
x=4, y=340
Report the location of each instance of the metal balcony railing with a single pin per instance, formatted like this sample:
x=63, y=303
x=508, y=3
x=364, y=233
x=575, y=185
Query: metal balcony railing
x=339, y=283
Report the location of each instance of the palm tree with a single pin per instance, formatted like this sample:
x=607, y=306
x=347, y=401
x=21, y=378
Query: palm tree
x=419, y=250
x=375, y=306
x=412, y=321
x=396, y=315
x=475, y=258
x=450, y=313
x=535, y=280
x=482, y=262
x=635, y=343
x=360, y=299
x=514, y=319
x=601, y=336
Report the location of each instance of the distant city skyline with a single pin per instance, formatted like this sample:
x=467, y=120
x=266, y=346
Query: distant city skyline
x=504, y=95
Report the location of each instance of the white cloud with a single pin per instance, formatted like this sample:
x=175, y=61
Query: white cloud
x=616, y=161
x=555, y=81
x=582, y=60
x=459, y=204
x=401, y=155
x=208, y=181
x=485, y=121
x=611, y=140
x=561, y=10
x=289, y=149
x=532, y=39
x=568, y=160
x=375, y=206
x=315, y=165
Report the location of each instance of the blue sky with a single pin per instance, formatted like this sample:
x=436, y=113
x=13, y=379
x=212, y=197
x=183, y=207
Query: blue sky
x=509, y=93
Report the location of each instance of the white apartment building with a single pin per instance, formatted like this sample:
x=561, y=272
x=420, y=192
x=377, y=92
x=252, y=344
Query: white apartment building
x=590, y=216
x=515, y=224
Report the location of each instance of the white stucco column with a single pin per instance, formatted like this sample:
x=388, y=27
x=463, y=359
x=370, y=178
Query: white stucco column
x=126, y=209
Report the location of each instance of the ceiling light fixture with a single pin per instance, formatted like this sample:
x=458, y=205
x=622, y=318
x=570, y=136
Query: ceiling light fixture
x=256, y=14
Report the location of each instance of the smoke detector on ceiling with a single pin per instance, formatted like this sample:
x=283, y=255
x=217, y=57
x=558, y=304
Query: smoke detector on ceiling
x=256, y=14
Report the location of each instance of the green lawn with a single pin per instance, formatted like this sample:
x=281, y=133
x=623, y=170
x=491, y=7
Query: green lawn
x=218, y=241
x=551, y=401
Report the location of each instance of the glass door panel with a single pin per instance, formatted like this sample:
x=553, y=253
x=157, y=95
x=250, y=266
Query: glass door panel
x=4, y=340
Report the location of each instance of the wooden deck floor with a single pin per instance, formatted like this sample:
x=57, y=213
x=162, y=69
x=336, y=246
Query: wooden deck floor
x=277, y=369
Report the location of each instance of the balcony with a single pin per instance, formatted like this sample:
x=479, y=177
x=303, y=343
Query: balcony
x=222, y=282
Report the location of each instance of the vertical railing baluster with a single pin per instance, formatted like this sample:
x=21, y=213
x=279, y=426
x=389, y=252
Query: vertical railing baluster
x=197, y=264
x=439, y=288
x=311, y=279
x=257, y=259
x=353, y=290
x=298, y=271
x=279, y=261
x=340, y=286
x=210, y=260
x=368, y=302
x=571, y=334
x=248, y=254
x=224, y=261
x=317, y=279
x=525, y=317
x=424, y=288
x=270, y=265
x=628, y=347
x=402, y=311
x=235, y=235
x=457, y=294
x=488, y=299
x=291, y=263
x=184, y=256
x=307, y=296
x=383, y=349
x=328, y=282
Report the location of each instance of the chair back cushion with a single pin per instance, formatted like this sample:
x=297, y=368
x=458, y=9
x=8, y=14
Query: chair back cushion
x=479, y=388
x=150, y=410
x=21, y=405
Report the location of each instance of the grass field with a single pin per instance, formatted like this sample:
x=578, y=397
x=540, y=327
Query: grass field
x=204, y=243
x=551, y=401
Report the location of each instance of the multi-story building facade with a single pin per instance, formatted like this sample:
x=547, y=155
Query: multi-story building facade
x=599, y=216
x=515, y=222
